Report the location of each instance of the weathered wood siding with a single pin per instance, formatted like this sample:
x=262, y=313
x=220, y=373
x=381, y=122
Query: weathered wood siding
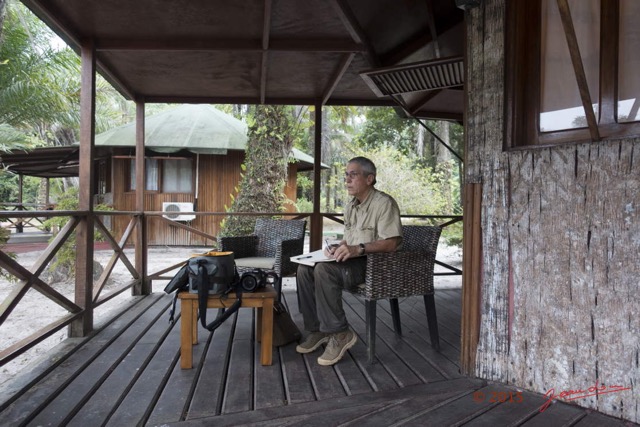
x=561, y=242
x=219, y=177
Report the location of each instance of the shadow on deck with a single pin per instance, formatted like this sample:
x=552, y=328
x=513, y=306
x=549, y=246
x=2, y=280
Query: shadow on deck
x=128, y=374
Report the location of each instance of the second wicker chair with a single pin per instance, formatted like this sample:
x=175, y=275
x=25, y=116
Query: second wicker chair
x=402, y=274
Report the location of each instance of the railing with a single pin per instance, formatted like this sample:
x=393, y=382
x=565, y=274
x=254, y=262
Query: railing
x=19, y=223
x=89, y=296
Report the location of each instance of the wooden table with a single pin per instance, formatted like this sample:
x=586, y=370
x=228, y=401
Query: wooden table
x=262, y=299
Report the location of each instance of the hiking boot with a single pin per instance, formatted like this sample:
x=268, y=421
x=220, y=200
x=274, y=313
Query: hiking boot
x=313, y=341
x=338, y=345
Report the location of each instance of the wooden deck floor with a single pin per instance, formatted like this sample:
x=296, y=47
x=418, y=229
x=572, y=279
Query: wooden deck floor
x=128, y=374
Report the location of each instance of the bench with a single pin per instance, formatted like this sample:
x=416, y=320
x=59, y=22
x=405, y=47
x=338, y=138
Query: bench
x=262, y=299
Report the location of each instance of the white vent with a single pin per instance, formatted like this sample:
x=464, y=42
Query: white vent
x=174, y=211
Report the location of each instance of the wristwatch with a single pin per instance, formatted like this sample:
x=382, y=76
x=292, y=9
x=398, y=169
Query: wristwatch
x=361, y=248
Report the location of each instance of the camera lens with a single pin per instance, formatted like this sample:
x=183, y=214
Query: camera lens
x=249, y=283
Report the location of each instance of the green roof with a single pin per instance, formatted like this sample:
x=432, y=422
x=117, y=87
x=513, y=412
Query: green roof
x=198, y=128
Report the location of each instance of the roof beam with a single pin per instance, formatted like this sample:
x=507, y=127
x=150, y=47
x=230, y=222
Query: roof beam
x=255, y=45
x=357, y=34
x=432, y=28
x=342, y=68
x=171, y=99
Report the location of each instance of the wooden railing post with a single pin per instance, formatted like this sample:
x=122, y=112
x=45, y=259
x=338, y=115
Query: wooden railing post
x=84, y=231
x=315, y=228
x=143, y=287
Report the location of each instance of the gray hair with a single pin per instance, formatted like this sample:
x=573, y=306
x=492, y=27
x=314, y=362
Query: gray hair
x=368, y=167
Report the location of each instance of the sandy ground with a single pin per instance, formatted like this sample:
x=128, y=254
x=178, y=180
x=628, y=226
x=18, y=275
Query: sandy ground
x=34, y=310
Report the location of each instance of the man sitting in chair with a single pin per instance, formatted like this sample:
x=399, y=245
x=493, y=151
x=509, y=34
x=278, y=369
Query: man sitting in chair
x=371, y=224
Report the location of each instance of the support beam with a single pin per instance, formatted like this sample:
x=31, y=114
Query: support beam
x=84, y=232
x=471, y=277
x=143, y=286
x=342, y=68
x=357, y=34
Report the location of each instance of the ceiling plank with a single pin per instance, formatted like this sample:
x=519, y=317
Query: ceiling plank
x=342, y=68
x=266, y=31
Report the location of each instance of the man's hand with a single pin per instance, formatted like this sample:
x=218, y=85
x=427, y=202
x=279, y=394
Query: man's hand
x=344, y=252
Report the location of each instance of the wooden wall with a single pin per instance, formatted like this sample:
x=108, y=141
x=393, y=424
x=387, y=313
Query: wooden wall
x=560, y=267
x=219, y=177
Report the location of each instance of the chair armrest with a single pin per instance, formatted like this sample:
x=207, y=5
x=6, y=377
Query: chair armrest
x=398, y=274
x=241, y=246
x=288, y=248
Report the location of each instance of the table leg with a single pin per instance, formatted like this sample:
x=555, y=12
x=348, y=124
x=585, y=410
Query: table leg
x=186, y=331
x=266, y=353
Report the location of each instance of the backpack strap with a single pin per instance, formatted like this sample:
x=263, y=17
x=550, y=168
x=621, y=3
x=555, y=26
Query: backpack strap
x=203, y=295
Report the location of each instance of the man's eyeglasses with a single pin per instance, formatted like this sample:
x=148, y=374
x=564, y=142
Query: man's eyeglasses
x=352, y=174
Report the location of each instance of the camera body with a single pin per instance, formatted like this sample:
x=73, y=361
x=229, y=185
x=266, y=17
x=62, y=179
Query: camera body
x=251, y=281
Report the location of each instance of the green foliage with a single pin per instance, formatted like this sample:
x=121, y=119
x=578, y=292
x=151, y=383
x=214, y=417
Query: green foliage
x=9, y=188
x=4, y=238
x=452, y=234
x=304, y=205
x=417, y=190
x=272, y=130
x=66, y=256
x=384, y=127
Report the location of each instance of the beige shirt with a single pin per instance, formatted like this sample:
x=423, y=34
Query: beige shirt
x=377, y=218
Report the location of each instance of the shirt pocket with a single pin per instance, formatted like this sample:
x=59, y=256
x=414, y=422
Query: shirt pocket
x=367, y=234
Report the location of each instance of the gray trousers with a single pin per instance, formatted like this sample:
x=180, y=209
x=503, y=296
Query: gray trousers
x=320, y=291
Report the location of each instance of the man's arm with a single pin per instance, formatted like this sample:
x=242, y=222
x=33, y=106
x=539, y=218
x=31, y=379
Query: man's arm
x=344, y=252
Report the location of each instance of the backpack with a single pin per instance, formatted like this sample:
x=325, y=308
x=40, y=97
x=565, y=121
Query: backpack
x=209, y=273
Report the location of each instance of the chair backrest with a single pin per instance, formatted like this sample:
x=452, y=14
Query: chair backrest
x=271, y=232
x=420, y=238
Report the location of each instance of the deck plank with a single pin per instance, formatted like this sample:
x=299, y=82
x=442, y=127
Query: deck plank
x=238, y=397
x=351, y=407
x=174, y=399
x=557, y=415
x=65, y=403
x=100, y=405
x=33, y=399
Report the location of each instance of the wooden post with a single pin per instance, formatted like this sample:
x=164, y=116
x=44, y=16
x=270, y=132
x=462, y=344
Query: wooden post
x=471, y=277
x=315, y=241
x=143, y=287
x=84, y=231
x=20, y=207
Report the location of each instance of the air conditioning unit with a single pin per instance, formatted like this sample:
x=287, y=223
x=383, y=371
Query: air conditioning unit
x=175, y=211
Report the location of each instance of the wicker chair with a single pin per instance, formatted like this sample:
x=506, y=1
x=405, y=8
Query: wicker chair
x=271, y=246
x=401, y=274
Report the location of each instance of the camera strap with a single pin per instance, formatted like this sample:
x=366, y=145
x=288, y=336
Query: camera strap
x=203, y=295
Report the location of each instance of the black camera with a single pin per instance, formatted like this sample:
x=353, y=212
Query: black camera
x=253, y=280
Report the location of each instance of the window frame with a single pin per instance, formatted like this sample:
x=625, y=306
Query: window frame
x=522, y=80
x=161, y=166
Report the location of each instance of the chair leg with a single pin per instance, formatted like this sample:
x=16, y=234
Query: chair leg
x=430, y=307
x=395, y=315
x=370, y=309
